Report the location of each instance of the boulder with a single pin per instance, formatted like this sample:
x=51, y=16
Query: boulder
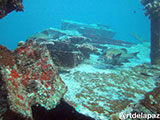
x=29, y=77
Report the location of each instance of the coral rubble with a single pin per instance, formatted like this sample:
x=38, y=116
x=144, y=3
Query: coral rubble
x=29, y=77
x=7, y=6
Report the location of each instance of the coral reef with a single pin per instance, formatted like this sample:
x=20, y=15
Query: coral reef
x=30, y=78
x=7, y=6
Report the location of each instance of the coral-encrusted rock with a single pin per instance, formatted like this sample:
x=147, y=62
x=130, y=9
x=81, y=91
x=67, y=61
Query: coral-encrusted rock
x=7, y=6
x=31, y=78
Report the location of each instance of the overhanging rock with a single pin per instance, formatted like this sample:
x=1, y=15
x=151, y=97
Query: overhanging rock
x=7, y=6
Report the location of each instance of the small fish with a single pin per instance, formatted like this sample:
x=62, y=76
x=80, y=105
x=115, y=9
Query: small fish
x=145, y=74
x=134, y=11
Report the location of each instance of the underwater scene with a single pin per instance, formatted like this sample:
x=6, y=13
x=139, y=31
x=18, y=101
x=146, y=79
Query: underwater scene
x=79, y=60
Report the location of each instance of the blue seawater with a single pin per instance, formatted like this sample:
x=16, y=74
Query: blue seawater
x=124, y=16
